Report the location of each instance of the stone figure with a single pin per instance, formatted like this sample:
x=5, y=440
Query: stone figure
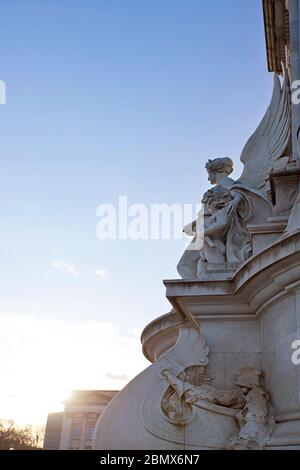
x=222, y=241
x=256, y=419
x=182, y=395
x=225, y=238
x=249, y=403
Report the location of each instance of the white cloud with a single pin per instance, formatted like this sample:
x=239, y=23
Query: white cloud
x=65, y=267
x=103, y=274
x=41, y=360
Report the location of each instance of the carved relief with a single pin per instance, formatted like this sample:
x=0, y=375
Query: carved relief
x=248, y=403
x=256, y=418
x=188, y=405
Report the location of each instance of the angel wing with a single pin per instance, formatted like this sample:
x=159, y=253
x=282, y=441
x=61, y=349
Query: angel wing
x=264, y=150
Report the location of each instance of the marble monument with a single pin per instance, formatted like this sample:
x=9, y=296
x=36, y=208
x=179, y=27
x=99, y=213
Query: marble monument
x=222, y=375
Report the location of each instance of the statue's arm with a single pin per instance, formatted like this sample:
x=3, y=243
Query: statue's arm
x=234, y=203
x=220, y=224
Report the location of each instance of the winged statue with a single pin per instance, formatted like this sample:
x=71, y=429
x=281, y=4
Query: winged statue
x=221, y=238
x=263, y=152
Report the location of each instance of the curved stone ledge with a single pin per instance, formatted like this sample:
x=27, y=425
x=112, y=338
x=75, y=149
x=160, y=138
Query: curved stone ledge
x=294, y=416
x=283, y=442
x=263, y=279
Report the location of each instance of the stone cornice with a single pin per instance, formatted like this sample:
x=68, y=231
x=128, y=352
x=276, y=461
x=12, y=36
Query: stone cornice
x=277, y=34
x=264, y=278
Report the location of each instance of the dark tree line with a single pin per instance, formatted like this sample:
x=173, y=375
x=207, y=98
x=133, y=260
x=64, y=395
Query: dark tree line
x=13, y=437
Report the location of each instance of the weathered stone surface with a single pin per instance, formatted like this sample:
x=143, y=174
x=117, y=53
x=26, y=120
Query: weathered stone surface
x=252, y=326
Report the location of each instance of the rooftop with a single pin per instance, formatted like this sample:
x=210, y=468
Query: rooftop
x=96, y=397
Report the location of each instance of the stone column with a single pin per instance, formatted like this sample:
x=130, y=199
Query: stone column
x=65, y=438
x=83, y=431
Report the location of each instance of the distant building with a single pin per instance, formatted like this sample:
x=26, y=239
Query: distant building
x=74, y=427
x=53, y=431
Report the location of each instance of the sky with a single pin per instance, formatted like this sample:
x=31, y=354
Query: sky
x=106, y=98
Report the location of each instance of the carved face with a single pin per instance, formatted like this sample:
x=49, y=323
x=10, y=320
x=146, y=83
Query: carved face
x=212, y=176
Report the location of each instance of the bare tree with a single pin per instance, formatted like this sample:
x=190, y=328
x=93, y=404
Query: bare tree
x=13, y=437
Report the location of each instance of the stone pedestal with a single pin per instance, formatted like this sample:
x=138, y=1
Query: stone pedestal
x=247, y=321
x=266, y=234
x=284, y=190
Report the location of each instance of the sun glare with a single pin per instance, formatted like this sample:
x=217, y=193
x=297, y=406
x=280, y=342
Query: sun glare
x=45, y=359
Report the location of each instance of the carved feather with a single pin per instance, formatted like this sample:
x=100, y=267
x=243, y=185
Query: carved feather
x=264, y=150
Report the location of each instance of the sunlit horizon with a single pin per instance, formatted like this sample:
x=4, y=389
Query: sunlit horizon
x=59, y=357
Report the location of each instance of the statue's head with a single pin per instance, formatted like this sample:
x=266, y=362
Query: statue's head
x=216, y=198
x=249, y=377
x=218, y=165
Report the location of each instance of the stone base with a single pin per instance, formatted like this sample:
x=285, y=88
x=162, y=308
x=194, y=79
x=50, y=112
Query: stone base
x=284, y=189
x=265, y=235
x=286, y=434
x=249, y=320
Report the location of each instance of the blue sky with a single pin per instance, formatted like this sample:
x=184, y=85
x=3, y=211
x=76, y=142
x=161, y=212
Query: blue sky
x=109, y=98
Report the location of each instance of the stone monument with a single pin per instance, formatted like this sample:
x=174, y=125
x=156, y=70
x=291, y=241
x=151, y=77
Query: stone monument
x=222, y=375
